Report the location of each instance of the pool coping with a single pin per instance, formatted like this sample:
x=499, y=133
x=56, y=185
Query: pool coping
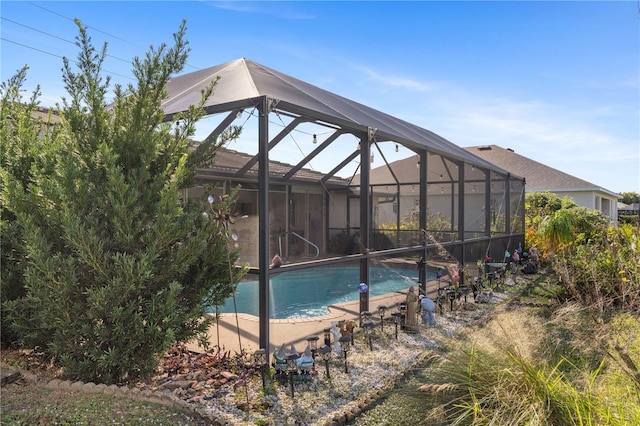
x=336, y=311
x=241, y=331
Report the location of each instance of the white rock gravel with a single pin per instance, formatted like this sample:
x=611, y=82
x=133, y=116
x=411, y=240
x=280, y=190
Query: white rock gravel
x=323, y=401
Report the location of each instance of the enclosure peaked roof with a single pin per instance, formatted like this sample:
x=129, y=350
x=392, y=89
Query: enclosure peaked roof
x=242, y=82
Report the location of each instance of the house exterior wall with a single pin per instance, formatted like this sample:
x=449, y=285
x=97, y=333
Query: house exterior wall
x=440, y=208
x=337, y=210
x=600, y=201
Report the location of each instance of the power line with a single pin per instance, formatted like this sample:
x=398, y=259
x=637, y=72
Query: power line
x=35, y=29
x=94, y=28
x=56, y=37
x=98, y=30
x=30, y=47
x=58, y=56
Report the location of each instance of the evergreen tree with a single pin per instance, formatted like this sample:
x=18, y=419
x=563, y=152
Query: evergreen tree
x=23, y=142
x=630, y=197
x=110, y=265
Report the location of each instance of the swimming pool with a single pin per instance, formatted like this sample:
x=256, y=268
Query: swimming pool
x=307, y=293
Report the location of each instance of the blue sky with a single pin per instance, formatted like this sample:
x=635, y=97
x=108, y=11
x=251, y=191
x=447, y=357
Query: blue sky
x=558, y=82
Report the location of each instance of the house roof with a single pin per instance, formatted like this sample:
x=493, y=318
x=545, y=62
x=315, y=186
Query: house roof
x=243, y=82
x=407, y=170
x=227, y=162
x=539, y=177
x=633, y=207
x=43, y=113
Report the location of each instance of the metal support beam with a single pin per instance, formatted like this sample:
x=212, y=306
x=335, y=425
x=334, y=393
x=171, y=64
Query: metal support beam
x=398, y=215
x=284, y=132
x=507, y=207
x=315, y=152
x=423, y=217
x=339, y=167
x=487, y=205
x=223, y=125
x=263, y=221
x=461, y=234
x=365, y=213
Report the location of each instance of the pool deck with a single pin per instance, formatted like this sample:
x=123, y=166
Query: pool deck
x=225, y=333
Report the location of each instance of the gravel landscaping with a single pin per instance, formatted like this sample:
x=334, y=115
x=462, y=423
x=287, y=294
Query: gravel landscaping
x=224, y=388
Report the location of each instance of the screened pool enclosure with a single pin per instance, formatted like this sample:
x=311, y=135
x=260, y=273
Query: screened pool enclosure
x=326, y=182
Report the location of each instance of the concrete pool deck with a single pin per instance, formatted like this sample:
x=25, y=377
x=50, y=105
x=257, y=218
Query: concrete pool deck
x=225, y=333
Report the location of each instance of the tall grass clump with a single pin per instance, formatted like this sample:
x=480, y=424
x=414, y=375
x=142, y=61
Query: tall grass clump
x=580, y=362
x=482, y=389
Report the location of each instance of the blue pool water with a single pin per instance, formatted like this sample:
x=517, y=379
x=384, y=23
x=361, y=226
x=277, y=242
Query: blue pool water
x=308, y=293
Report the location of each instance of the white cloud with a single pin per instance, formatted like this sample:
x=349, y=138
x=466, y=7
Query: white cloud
x=583, y=140
x=395, y=82
x=283, y=10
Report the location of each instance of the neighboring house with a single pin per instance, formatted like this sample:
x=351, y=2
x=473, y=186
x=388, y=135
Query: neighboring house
x=541, y=178
x=489, y=198
x=301, y=218
x=49, y=115
x=629, y=209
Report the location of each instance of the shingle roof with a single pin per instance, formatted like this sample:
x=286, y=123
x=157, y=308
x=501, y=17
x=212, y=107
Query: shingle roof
x=227, y=162
x=634, y=207
x=42, y=113
x=539, y=177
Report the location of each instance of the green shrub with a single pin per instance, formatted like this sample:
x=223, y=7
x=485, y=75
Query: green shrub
x=109, y=265
x=603, y=273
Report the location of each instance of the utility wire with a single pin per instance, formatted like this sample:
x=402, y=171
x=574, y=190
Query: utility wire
x=58, y=56
x=88, y=26
x=35, y=29
x=57, y=37
x=30, y=47
x=98, y=30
